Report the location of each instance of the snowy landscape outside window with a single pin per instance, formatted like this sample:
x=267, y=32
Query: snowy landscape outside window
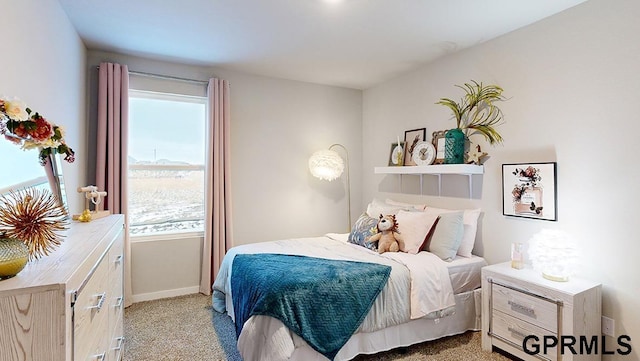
x=166, y=163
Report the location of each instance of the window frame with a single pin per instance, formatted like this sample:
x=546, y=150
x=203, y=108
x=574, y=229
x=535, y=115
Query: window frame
x=166, y=236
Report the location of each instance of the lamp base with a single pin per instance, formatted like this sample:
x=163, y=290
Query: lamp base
x=555, y=278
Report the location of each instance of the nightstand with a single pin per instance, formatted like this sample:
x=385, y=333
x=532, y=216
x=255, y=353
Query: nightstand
x=518, y=304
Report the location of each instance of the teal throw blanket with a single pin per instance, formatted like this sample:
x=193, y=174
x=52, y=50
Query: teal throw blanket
x=323, y=301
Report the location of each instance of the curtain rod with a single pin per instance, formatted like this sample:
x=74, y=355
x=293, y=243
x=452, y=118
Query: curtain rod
x=150, y=75
x=169, y=77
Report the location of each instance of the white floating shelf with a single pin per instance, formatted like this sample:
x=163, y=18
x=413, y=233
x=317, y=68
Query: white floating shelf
x=437, y=169
x=463, y=169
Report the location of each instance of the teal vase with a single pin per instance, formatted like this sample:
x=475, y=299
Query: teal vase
x=454, y=146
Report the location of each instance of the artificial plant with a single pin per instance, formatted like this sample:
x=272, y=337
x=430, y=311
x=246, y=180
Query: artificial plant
x=476, y=110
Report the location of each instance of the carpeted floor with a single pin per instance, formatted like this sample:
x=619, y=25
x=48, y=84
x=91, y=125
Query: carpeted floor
x=187, y=328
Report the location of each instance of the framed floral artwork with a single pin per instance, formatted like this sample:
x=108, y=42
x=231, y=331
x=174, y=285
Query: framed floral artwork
x=411, y=139
x=529, y=190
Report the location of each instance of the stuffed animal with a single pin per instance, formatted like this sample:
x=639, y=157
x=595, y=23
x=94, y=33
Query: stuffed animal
x=389, y=240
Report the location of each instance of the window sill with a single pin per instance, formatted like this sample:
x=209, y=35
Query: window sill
x=158, y=237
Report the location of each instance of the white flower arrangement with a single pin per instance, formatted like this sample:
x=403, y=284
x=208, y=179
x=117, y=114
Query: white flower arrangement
x=32, y=131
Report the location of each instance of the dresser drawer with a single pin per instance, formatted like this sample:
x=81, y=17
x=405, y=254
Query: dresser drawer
x=116, y=291
x=116, y=350
x=95, y=345
x=515, y=330
x=91, y=317
x=534, y=310
x=116, y=306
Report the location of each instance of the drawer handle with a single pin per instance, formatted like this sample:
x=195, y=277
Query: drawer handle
x=119, y=302
x=99, y=357
x=522, y=309
x=100, y=303
x=118, y=348
x=120, y=343
x=118, y=259
x=516, y=332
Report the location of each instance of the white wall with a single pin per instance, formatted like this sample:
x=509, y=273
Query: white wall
x=42, y=63
x=165, y=267
x=276, y=125
x=573, y=82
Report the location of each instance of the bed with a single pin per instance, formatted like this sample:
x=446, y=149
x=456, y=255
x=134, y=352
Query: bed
x=431, y=298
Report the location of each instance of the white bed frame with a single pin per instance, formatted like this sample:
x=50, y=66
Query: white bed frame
x=254, y=346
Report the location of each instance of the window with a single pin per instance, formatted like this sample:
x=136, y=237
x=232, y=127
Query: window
x=166, y=163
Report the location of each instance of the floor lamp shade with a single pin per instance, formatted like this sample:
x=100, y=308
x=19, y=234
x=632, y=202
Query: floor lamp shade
x=327, y=165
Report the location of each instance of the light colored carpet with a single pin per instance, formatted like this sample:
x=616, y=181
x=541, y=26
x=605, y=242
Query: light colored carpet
x=187, y=328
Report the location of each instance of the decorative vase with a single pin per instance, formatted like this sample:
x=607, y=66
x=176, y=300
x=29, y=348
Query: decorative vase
x=454, y=141
x=14, y=255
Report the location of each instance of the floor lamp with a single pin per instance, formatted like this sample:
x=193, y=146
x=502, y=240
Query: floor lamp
x=327, y=165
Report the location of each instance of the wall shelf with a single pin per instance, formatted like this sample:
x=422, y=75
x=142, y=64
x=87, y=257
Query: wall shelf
x=437, y=170
x=462, y=169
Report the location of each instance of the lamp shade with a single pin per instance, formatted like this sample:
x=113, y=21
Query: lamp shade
x=326, y=164
x=554, y=253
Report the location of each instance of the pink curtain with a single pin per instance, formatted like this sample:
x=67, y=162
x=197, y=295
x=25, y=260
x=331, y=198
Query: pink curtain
x=111, y=162
x=218, y=235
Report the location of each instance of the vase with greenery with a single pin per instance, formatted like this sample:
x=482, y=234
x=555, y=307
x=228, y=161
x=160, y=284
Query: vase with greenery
x=475, y=113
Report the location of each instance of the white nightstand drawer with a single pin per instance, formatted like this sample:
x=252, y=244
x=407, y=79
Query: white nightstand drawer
x=535, y=310
x=515, y=330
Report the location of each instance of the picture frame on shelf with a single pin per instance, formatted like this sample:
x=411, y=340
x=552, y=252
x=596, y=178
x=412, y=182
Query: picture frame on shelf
x=396, y=154
x=438, y=141
x=411, y=139
x=529, y=190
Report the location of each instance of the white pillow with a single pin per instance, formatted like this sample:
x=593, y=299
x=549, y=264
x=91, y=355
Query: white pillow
x=414, y=227
x=470, y=221
x=419, y=207
x=447, y=236
x=378, y=207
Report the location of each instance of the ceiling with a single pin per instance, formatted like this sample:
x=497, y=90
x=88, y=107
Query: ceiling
x=350, y=43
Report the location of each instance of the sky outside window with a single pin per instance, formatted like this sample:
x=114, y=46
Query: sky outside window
x=166, y=129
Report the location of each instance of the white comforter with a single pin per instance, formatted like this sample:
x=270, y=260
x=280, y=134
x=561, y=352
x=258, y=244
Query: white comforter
x=418, y=285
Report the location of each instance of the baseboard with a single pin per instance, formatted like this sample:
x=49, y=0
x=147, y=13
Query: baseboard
x=164, y=294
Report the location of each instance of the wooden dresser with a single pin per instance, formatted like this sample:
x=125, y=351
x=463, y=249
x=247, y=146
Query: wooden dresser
x=68, y=306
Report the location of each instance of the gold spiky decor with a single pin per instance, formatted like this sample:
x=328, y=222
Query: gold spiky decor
x=34, y=216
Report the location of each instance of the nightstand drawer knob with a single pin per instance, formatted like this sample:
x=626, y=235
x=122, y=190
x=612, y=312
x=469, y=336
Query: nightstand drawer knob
x=516, y=333
x=522, y=309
